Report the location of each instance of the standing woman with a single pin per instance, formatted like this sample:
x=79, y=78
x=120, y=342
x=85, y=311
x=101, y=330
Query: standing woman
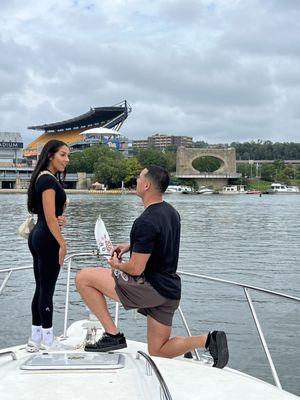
x=46, y=198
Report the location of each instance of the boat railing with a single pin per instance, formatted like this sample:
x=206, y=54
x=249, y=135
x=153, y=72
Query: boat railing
x=246, y=289
x=10, y=353
x=151, y=366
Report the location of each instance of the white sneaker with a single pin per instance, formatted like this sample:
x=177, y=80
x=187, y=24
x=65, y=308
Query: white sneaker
x=33, y=346
x=56, y=345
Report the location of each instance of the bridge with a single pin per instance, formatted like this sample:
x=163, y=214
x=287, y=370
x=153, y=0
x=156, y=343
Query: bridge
x=216, y=179
x=19, y=178
x=291, y=162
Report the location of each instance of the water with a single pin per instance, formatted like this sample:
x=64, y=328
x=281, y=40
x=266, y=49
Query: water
x=249, y=239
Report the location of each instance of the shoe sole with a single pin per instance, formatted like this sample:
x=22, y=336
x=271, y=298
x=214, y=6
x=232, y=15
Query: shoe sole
x=104, y=350
x=222, y=348
x=32, y=349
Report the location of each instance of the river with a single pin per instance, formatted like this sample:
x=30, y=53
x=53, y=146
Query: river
x=244, y=238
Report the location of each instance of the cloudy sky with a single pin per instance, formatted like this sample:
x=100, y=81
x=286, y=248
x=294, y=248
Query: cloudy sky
x=218, y=70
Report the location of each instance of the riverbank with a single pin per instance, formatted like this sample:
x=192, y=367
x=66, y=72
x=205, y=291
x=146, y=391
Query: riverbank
x=75, y=191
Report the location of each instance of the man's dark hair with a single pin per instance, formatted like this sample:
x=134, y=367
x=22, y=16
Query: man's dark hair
x=159, y=177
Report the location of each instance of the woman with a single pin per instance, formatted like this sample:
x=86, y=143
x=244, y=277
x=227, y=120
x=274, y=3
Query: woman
x=46, y=198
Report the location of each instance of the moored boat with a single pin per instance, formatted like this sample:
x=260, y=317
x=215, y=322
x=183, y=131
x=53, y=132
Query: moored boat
x=280, y=188
x=233, y=189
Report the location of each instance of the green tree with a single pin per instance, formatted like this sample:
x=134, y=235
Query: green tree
x=206, y=164
x=110, y=170
x=133, y=168
x=85, y=160
x=152, y=156
x=268, y=172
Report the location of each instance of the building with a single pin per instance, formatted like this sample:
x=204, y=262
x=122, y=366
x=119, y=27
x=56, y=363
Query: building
x=81, y=132
x=140, y=144
x=185, y=141
x=161, y=141
x=11, y=146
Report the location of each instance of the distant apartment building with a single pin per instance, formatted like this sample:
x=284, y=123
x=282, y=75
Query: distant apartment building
x=140, y=144
x=161, y=141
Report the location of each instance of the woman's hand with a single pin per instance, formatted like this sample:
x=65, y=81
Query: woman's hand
x=62, y=254
x=61, y=221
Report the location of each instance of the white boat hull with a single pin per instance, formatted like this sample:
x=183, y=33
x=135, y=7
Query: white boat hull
x=186, y=379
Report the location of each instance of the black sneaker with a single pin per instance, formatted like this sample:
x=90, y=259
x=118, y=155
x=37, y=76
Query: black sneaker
x=108, y=343
x=217, y=346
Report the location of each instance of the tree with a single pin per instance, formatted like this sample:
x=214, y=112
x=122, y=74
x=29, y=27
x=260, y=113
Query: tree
x=110, y=170
x=206, y=164
x=268, y=172
x=152, y=156
x=85, y=160
x=133, y=168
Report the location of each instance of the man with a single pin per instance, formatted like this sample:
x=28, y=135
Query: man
x=148, y=281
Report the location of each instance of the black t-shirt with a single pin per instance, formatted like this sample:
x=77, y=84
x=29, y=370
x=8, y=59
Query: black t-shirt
x=157, y=231
x=43, y=183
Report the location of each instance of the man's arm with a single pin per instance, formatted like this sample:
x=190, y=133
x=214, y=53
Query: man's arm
x=135, y=266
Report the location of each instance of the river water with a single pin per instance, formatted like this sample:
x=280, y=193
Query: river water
x=248, y=239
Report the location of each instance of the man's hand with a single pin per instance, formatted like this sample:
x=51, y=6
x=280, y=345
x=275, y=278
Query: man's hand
x=120, y=249
x=115, y=261
x=61, y=221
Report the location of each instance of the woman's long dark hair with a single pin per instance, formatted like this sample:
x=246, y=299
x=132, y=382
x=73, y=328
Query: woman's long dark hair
x=48, y=151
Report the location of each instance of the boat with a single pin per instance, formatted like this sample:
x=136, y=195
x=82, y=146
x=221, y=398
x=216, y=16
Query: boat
x=254, y=191
x=174, y=189
x=280, y=188
x=233, y=189
x=129, y=373
x=204, y=190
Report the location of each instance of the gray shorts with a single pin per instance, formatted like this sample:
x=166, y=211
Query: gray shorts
x=137, y=293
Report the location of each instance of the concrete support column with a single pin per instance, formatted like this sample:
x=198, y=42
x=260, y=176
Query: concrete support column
x=18, y=184
x=82, y=180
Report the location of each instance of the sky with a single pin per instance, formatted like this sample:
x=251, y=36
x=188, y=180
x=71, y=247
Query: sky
x=220, y=71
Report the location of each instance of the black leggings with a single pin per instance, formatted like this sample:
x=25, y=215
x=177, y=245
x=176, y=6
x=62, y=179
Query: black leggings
x=44, y=249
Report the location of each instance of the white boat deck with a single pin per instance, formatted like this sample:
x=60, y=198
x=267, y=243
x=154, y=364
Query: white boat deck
x=185, y=378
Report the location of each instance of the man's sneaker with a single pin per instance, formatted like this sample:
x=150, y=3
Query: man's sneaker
x=217, y=346
x=33, y=346
x=108, y=343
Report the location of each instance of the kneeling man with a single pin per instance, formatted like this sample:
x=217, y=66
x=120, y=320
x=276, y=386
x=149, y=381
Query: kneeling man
x=147, y=282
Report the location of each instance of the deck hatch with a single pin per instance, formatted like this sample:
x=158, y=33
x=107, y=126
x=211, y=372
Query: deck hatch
x=74, y=361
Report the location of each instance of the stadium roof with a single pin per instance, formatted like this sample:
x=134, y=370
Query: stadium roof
x=98, y=116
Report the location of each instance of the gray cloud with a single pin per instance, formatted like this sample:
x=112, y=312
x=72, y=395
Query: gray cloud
x=218, y=71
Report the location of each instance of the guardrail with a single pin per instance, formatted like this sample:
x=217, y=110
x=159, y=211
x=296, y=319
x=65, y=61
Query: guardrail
x=151, y=366
x=252, y=309
x=245, y=287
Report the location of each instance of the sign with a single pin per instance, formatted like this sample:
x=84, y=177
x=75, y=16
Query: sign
x=11, y=145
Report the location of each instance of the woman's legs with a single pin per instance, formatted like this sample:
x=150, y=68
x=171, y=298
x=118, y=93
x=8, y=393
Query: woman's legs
x=36, y=319
x=44, y=249
x=48, y=273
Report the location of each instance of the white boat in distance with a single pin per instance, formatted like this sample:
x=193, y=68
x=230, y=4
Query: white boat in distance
x=281, y=188
x=174, y=189
x=233, y=189
x=178, y=189
x=205, y=190
x=130, y=373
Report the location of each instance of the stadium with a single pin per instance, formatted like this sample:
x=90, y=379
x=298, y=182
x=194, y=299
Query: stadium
x=98, y=125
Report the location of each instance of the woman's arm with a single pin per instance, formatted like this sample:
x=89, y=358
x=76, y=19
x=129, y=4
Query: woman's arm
x=48, y=199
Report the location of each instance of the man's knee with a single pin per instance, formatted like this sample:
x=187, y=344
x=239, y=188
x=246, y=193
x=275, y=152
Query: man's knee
x=82, y=277
x=155, y=351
